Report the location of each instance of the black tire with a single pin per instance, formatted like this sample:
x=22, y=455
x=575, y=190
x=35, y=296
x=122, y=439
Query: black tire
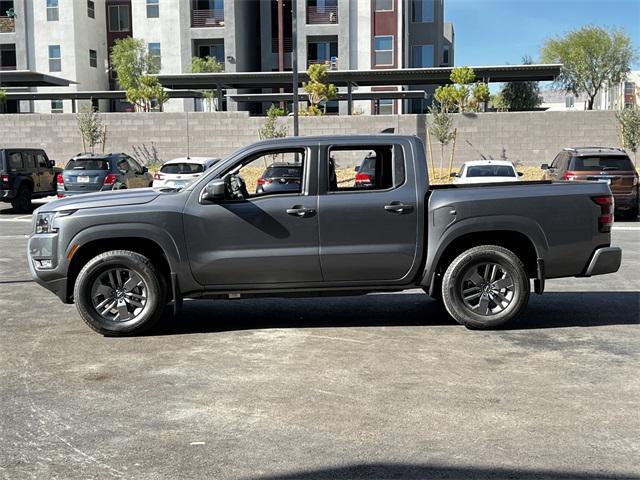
x=90, y=281
x=503, y=290
x=21, y=203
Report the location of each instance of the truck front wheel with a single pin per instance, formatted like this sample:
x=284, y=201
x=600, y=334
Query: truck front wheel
x=485, y=287
x=120, y=293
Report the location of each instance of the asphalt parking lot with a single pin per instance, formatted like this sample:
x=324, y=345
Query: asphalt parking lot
x=381, y=386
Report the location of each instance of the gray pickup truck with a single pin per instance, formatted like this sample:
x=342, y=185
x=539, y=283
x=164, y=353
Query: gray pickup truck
x=123, y=256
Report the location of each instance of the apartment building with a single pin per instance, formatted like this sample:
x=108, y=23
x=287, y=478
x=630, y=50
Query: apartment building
x=72, y=38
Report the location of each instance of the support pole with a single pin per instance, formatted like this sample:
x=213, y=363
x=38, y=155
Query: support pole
x=296, y=82
x=281, y=42
x=349, y=98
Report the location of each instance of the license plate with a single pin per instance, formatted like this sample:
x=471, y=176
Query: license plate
x=83, y=179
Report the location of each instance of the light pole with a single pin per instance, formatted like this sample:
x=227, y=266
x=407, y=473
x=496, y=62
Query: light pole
x=294, y=53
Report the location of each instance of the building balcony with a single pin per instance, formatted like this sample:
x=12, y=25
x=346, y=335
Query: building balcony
x=7, y=24
x=207, y=18
x=322, y=15
x=330, y=65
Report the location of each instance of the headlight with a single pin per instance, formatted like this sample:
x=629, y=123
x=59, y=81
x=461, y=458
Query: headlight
x=44, y=222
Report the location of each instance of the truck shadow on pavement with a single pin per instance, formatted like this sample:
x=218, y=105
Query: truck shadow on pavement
x=552, y=310
x=433, y=472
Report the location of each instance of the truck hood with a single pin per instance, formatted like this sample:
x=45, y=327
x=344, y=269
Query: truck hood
x=114, y=198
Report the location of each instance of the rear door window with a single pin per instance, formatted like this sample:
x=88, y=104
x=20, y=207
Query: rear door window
x=605, y=162
x=28, y=160
x=362, y=168
x=87, y=164
x=15, y=161
x=182, y=168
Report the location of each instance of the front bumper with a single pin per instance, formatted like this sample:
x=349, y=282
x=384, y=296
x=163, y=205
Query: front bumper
x=604, y=260
x=54, y=279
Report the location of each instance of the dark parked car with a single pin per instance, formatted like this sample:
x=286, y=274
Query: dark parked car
x=609, y=165
x=121, y=257
x=87, y=173
x=25, y=174
x=366, y=171
x=280, y=177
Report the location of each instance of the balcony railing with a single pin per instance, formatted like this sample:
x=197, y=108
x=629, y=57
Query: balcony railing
x=7, y=25
x=330, y=65
x=207, y=18
x=322, y=15
x=288, y=45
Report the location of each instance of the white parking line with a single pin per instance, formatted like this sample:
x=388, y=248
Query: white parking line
x=13, y=237
x=17, y=219
x=626, y=229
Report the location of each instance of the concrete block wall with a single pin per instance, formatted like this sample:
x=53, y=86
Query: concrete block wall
x=531, y=138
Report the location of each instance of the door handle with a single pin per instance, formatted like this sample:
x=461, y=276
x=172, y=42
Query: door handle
x=300, y=211
x=398, y=207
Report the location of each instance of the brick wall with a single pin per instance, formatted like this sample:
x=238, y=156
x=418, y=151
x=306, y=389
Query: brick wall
x=529, y=137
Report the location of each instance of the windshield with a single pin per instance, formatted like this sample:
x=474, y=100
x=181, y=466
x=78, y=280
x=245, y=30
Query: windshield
x=87, y=164
x=491, y=171
x=610, y=162
x=182, y=168
x=282, y=171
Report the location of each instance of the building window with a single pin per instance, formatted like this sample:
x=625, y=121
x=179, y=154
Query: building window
x=52, y=10
x=383, y=46
x=56, y=106
x=93, y=58
x=384, y=106
x=55, y=58
x=119, y=18
x=384, y=5
x=215, y=50
x=569, y=101
x=91, y=9
x=422, y=11
x=445, y=54
x=629, y=88
x=422, y=56
x=153, y=8
x=156, y=57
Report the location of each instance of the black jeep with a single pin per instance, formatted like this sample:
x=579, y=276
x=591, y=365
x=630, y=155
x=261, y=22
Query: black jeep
x=25, y=174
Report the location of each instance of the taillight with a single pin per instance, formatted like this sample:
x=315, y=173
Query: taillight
x=4, y=178
x=363, y=178
x=263, y=181
x=158, y=176
x=607, y=207
x=60, y=180
x=569, y=176
x=110, y=179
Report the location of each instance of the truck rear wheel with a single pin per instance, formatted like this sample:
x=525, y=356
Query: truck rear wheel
x=120, y=293
x=22, y=201
x=485, y=287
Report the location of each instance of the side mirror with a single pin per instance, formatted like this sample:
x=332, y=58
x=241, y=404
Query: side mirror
x=544, y=166
x=357, y=168
x=213, y=192
x=51, y=163
x=520, y=174
x=453, y=174
x=145, y=169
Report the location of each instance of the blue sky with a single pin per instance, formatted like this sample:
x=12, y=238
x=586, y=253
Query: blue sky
x=496, y=32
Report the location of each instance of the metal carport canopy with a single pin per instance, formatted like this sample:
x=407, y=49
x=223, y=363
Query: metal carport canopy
x=405, y=76
x=287, y=97
x=29, y=78
x=88, y=95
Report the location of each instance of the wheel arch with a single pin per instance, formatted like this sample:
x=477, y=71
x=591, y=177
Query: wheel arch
x=522, y=236
x=153, y=245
